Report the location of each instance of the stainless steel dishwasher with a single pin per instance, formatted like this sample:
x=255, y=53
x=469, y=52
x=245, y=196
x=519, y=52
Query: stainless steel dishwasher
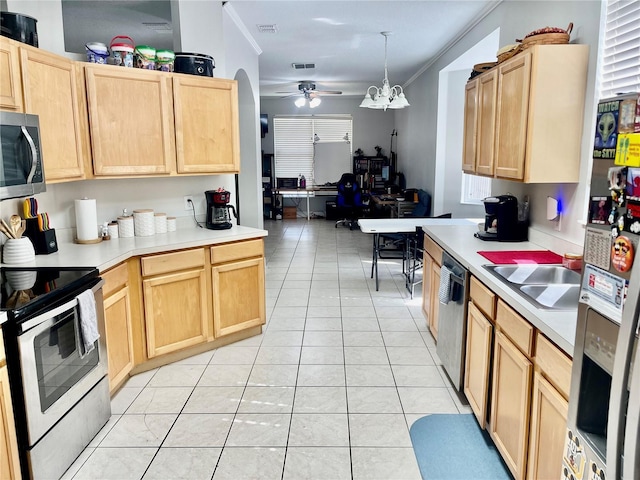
x=452, y=318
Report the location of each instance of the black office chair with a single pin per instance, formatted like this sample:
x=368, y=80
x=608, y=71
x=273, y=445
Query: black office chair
x=349, y=201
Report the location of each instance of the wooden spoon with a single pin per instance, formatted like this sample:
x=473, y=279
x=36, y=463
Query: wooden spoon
x=21, y=229
x=7, y=230
x=15, y=222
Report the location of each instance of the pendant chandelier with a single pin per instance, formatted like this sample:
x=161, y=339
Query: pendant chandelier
x=385, y=97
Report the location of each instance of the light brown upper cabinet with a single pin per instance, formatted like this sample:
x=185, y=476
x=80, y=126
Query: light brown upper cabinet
x=52, y=91
x=470, y=126
x=10, y=80
x=131, y=121
x=479, y=124
x=207, y=129
x=538, y=116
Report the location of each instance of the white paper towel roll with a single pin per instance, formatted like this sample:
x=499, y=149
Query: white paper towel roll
x=86, y=219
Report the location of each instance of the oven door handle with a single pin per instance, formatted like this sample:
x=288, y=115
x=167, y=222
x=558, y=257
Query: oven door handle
x=35, y=321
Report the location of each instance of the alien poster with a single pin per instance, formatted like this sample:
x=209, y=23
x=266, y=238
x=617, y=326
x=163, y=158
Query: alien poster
x=606, y=130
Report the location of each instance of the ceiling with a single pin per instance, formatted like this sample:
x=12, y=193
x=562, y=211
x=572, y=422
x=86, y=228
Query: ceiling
x=342, y=38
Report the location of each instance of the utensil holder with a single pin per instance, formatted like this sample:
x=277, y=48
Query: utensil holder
x=44, y=242
x=18, y=250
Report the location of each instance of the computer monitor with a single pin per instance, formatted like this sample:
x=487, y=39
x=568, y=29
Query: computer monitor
x=385, y=173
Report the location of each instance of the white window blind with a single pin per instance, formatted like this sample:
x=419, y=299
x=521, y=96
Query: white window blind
x=621, y=49
x=475, y=188
x=293, y=139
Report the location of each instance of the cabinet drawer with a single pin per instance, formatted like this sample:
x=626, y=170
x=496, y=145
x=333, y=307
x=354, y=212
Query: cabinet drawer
x=115, y=279
x=483, y=298
x=172, y=262
x=515, y=327
x=554, y=364
x=235, y=251
x=433, y=249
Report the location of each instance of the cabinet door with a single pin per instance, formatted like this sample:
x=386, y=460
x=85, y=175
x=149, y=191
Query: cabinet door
x=176, y=312
x=131, y=121
x=487, y=90
x=470, y=127
x=511, y=121
x=435, y=302
x=548, y=430
x=238, y=295
x=9, y=461
x=478, y=362
x=427, y=266
x=10, y=83
x=51, y=92
x=510, y=402
x=117, y=312
x=207, y=129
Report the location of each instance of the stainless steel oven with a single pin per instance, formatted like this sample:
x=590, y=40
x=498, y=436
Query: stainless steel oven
x=62, y=392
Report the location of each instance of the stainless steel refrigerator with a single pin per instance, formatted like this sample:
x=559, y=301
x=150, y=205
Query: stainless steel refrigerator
x=603, y=424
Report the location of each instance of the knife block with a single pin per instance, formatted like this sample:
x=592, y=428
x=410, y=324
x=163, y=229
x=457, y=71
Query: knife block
x=43, y=242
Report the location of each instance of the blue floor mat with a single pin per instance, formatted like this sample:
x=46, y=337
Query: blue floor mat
x=453, y=447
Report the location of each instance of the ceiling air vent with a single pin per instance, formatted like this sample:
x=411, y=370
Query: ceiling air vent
x=267, y=28
x=303, y=66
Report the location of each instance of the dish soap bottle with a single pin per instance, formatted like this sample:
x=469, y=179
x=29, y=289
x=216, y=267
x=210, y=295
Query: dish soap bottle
x=303, y=182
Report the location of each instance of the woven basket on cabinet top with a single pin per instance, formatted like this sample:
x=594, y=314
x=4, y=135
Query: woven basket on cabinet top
x=547, y=36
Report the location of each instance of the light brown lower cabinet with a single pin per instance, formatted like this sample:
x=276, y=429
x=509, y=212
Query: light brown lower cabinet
x=175, y=297
x=9, y=461
x=478, y=362
x=548, y=430
x=237, y=280
x=510, y=403
x=118, y=324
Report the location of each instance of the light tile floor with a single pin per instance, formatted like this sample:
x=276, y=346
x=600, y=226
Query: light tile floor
x=328, y=391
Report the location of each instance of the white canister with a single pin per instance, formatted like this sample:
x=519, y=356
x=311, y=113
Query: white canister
x=125, y=227
x=113, y=229
x=144, y=224
x=18, y=250
x=171, y=224
x=161, y=222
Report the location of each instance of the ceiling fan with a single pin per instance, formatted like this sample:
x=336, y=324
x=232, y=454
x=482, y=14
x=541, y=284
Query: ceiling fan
x=308, y=90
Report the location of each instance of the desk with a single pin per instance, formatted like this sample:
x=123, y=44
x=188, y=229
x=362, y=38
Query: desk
x=398, y=206
x=405, y=226
x=312, y=191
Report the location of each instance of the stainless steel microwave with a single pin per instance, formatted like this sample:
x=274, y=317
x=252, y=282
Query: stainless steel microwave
x=21, y=167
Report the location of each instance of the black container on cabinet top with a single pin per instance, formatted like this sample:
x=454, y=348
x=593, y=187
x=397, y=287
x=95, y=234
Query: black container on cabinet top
x=194, y=64
x=19, y=27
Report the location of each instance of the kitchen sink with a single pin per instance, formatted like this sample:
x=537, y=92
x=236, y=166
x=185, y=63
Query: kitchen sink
x=535, y=274
x=552, y=287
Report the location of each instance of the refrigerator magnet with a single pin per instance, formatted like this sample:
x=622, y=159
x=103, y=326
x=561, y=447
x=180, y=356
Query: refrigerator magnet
x=622, y=253
x=600, y=208
x=633, y=182
x=606, y=130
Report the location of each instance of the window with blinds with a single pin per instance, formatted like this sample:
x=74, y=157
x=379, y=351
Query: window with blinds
x=621, y=50
x=295, y=138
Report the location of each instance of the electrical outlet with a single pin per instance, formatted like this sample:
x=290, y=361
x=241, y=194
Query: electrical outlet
x=188, y=202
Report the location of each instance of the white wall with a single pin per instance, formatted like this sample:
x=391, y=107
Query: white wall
x=515, y=19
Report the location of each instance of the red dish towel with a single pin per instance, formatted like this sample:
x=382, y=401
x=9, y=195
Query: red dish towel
x=522, y=256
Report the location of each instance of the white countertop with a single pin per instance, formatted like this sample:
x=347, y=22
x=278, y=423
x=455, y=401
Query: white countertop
x=409, y=224
x=458, y=240
x=108, y=253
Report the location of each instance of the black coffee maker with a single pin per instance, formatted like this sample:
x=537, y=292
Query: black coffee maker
x=218, y=217
x=501, y=221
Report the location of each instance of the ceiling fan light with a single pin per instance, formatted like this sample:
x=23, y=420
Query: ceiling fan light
x=300, y=102
x=315, y=102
